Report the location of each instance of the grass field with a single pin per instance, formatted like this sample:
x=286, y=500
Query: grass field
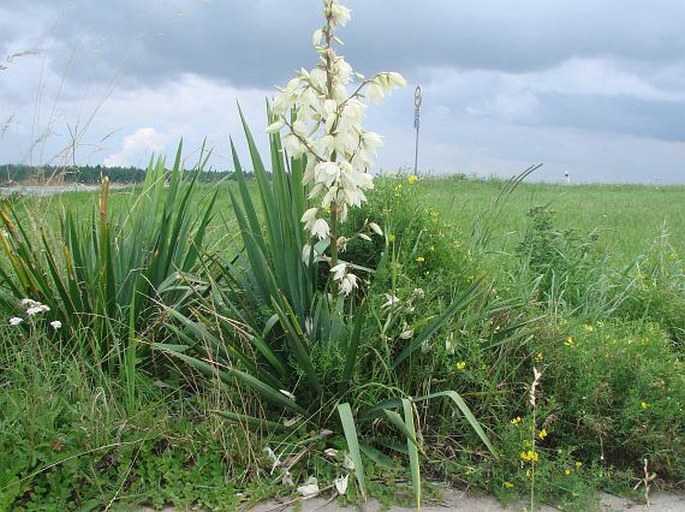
x=102, y=413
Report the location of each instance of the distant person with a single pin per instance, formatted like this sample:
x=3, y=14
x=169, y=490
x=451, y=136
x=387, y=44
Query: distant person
x=567, y=176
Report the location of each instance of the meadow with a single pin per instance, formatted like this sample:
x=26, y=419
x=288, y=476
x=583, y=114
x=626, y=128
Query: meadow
x=306, y=329
x=589, y=291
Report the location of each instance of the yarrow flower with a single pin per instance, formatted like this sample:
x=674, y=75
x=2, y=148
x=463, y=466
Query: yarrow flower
x=16, y=320
x=41, y=308
x=328, y=110
x=34, y=307
x=56, y=324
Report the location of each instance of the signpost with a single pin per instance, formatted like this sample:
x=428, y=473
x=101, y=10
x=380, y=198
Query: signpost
x=417, y=123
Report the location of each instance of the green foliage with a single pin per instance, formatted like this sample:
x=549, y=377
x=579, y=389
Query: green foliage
x=269, y=324
x=14, y=174
x=558, y=262
x=618, y=393
x=106, y=274
x=247, y=326
x=657, y=290
x=427, y=248
x=69, y=444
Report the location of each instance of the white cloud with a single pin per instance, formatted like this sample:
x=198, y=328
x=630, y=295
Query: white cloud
x=138, y=146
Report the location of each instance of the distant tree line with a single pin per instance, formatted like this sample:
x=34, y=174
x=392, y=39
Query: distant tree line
x=12, y=174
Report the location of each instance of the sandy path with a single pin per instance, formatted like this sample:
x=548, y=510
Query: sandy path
x=458, y=501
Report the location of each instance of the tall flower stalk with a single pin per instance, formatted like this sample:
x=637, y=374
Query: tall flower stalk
x=322, y=111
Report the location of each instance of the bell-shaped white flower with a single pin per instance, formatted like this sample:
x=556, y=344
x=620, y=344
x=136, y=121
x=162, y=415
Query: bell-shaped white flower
x=374, y=91
x=340, y=14
x=391, y=301
x=276, y=126
x=320, y=229
x=310, y=487
x=341, y=484
x=375, y=228
x=348, y=283
x=339, y=271
x=317, y=36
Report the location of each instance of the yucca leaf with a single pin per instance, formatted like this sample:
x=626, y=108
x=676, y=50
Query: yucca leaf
x=439, y=321
x=396, y=420
x=350, y=431
x=293, y=336
x=379, y=457
x=252, y=421
x=413, y=448
x=461, y=405
x=353, y=346
x=231, y=376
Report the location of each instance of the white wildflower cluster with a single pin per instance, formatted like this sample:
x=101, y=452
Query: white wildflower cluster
x=322, y=110
x=33, y=308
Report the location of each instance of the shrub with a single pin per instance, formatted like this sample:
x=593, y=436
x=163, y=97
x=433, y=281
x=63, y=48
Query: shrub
x=656, y=290
x=617, y=391
x=557, y=261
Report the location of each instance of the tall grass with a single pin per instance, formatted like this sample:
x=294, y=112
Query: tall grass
x=104, y=276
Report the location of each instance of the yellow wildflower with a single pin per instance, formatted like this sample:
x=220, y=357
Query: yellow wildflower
x=508, y=485
x=569, y=341
x=567, y=471
x=529, y=456
x=461, y=365
x=420, y=259
x=588, y=328
x=539, y=357
x=516, y=420
x=644, y=406
x=579, y=464
x=542, y=434
x=412, y=179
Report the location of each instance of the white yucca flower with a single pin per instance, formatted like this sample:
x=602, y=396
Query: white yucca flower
x=327, y=129
x=341, y=484
x=391, y=301
x=310, y=487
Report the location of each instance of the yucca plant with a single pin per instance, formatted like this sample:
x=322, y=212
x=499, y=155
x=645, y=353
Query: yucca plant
x=267, y=321
x=287, y=317
x=105, y=275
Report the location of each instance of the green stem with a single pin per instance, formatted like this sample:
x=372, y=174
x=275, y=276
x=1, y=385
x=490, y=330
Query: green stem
x=334, y=243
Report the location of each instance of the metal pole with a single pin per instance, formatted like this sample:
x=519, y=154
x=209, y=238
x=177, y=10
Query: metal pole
x=417, y=123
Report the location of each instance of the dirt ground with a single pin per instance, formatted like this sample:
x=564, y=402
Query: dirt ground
x=458, y=501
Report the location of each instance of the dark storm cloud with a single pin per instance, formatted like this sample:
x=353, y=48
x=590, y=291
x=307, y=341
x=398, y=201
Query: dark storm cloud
x=257, y=43
x=556, y=81
x=664, y=120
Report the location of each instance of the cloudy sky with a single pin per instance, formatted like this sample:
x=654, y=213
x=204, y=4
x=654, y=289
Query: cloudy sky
x=593, y=88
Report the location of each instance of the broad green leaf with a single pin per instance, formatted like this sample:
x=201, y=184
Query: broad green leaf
x=413, y=448
x=461, y=405
x=350, y=431
x=438, y=322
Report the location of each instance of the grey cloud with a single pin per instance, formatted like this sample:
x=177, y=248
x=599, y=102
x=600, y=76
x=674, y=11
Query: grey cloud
x=663, y=120
x=259, y=43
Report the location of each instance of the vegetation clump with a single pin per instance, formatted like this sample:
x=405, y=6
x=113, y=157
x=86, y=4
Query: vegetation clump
x=332, y=332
